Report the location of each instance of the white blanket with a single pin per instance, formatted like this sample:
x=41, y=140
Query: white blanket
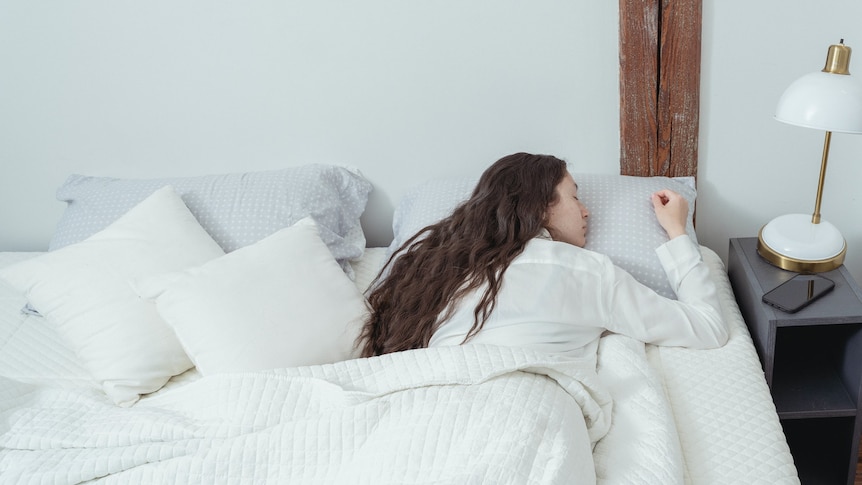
x=471, y=414
x=719, y=402
x=642, y=446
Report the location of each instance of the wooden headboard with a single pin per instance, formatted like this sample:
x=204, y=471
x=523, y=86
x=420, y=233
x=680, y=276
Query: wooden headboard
x=659, y=110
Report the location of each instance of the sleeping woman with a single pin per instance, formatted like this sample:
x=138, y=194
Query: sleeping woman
x=508, y=267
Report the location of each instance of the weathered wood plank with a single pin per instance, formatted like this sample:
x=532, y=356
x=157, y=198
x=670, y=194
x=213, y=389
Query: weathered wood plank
x=660, y=44
x=679, y=88
x=639, y=21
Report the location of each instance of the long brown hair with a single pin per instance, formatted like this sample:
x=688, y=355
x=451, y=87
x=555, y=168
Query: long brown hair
x=474, y=246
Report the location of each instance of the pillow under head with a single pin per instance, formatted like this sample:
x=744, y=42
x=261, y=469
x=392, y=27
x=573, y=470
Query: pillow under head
x=622, y=223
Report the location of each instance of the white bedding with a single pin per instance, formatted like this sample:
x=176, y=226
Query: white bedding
x=462, y=415
x=678, y=416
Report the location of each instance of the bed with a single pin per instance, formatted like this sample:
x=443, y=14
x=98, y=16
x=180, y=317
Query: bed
x=204, y=336
x=200, y=329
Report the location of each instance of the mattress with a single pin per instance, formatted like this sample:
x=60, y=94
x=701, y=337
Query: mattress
x=677, y=415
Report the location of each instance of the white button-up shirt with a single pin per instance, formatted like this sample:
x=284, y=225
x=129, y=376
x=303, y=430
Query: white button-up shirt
x=559, y=298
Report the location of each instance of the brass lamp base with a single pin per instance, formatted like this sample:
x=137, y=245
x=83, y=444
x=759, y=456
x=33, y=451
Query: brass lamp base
x=798, y=265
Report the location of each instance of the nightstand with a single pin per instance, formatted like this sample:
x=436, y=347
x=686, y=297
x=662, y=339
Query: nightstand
x=812, y=360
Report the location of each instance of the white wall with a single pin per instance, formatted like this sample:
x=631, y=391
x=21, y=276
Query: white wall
x=402, y=90
x=753, y=168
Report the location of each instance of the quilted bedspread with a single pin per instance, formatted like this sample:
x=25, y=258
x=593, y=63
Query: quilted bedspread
x=461, y=415
x=470, y=414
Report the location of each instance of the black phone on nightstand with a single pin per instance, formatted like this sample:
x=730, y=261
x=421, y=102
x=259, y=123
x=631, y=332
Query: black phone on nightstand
x=798, y=292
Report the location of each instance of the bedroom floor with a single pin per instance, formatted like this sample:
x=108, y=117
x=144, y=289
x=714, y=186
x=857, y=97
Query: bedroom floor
x=858, y=480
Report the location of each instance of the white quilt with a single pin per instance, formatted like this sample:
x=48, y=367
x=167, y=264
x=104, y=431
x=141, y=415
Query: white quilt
x=471, y=414
x=642, y=446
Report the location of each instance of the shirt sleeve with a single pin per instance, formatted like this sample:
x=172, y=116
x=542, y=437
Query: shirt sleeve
x=694, y=320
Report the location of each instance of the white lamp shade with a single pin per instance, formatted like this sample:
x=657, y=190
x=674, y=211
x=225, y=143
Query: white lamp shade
x=823, y=101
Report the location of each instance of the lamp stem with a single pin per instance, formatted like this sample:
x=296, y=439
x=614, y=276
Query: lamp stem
x=815, y=219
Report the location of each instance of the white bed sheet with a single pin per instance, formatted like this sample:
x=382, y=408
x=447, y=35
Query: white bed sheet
x=679, y=416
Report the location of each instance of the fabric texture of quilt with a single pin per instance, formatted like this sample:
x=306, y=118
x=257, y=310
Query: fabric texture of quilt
x=471, y=414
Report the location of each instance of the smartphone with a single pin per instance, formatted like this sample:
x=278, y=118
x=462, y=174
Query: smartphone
x=798, y=292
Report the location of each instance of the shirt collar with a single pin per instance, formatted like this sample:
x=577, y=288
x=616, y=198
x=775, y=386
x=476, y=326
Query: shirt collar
x=544, y=234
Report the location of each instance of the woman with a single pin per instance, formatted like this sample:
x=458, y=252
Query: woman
x=508, y=268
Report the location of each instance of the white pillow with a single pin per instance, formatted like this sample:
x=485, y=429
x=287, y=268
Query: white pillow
x=84, y=290
x=237, y=209
x=281, y=302
x=622, y=223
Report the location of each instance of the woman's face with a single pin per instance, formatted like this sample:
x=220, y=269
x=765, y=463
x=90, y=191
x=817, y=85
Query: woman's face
x=566, y=219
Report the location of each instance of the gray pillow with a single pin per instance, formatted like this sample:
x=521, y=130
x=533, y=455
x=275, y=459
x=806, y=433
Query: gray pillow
x=622, y=223
x=236, y=209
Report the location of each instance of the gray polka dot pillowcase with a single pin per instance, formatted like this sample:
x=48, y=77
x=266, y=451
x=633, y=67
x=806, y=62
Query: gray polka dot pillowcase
x=236, y=209
x=622, y=222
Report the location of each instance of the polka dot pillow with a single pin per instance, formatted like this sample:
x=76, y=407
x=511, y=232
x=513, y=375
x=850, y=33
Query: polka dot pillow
x=623, y=225
x=236, y=209
x=622, y=222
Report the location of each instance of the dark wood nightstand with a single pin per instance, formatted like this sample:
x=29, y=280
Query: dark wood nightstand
x=812, y=360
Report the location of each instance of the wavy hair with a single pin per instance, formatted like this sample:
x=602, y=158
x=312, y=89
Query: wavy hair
x=430, y=273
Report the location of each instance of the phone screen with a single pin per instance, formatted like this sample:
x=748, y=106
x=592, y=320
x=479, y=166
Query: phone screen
x=797, y=292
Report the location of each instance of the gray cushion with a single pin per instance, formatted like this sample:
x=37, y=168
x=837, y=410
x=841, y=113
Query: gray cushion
x=236, y=209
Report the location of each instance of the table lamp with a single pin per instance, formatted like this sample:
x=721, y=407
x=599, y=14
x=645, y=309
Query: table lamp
x=828, y=100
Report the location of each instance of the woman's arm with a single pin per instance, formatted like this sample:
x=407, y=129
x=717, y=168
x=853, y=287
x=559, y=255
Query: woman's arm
x=694, y=320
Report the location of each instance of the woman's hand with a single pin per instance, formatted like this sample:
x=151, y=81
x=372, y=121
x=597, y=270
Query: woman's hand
x=671, y=210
